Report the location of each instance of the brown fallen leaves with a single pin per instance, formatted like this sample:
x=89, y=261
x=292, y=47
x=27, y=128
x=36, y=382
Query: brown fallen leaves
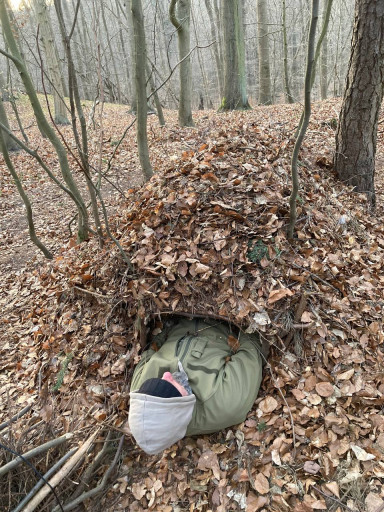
x=207, y=235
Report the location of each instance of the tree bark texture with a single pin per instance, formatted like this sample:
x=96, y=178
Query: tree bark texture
x=52, y=60
x=131, y=41
x=265, y=90
x=9, y=143
x=216, y=47
x=141, y=93
x=357, y=128
x=180, y=14
x=235, y=89
x=304, y=122
x=324, y=69
x=287, y=90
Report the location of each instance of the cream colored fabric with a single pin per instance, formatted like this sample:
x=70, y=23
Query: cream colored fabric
x=156, y=422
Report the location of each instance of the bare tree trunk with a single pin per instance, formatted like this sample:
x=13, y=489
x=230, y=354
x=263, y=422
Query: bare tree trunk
x=43, y=124
x=159, y=108
x=111, y=53
x=306, y=117
x=80, y=71
x=7, y=141
x=235, y=85
x=216, y=47
x=265, y=95
x=53, y=64
x=288, y=95
x=140, y=81
x=128, y=73
x=324, y=64
x=76, y=106
x=181, y=21
x=132, y=47
x=357, y=129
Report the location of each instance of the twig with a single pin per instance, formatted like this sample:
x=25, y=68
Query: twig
x=61, y=474
x=40, y=483
x=15, y=417
x=89, y=494
x=35, y=451
x=85, y=478
x=316, y=276
x=336, y=500
x=83, y=291
x=176, y=66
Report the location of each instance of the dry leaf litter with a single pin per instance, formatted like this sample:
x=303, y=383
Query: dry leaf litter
x=206, y=235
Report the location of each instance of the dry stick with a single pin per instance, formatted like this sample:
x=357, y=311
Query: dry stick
x=35, y=451
x=335, y=499
x=83, y=291
x=85, y=478
x=15, y=417
x=40, y=483
x=316, y=276
x=61, y=474
x=89, y=494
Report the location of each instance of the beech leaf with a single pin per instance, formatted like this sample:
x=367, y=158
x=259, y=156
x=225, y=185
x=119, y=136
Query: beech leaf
x=276, y=295
x=361, y=454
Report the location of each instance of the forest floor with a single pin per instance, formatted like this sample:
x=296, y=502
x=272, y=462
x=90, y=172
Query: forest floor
x=207, y=235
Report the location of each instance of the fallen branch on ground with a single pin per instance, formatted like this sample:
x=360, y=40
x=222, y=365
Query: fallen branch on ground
x=15, y=417
x=61, y=474
x=89, y=494
x=35, y=451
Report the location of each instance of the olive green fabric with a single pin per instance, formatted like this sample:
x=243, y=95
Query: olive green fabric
x=225, y=384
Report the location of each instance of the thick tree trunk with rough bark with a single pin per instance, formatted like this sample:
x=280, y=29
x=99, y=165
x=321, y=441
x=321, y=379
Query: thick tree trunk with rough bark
x=357, y=128
x=179, y=13
x=265, y=91
x=235, y=89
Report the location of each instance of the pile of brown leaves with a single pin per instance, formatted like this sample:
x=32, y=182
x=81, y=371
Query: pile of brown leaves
x=207, y=236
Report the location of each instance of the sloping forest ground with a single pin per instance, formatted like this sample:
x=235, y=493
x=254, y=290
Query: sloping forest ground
x=206, y=235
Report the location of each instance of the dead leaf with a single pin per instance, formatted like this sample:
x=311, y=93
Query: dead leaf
x=319, y=505
x=268, y=405
x=333, y=487
x=276, y=295
x=298, y=394
x=209, y=460
x=306, y=317
x=46, y=412
x=261, y=484
x=233, y=343
x=324, y=389
x=346, y=375
x=373, y=502
x=138, y=490
x=255, y=503
x=361, y=454
x=311, y=467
